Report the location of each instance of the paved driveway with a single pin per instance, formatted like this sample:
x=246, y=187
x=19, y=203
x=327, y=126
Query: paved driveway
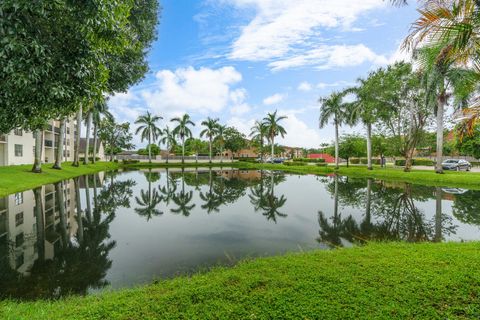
x=474, y=169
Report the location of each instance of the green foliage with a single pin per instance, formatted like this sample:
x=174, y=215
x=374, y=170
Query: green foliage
x=115, y=137
x=234, y=140
x=155, y=150
x=130, y=161
x=470, y=144
x=352, y=145
x=318, y=160
x=415, y=162
x=295, y=163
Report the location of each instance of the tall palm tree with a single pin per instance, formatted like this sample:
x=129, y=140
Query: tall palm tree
x=88, y=125
x=183, y=199
x=149, y=200
x=333, y=107
x=183, y=131
x=60, y=148
x=78, y=132
x=210, y=131
x=99, y=110
x=220, y=139
x=273, y=128
x=259, y=132
x=149, y=130
x=444, y=80
x=168, y=139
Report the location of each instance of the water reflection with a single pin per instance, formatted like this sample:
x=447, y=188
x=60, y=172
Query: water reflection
x=49, y=246
x=392, y=213
x=121, y=229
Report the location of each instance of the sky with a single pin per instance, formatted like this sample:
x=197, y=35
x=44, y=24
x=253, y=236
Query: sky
x=237, y=60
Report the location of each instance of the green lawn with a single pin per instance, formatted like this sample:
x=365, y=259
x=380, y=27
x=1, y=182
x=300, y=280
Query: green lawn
x=20, y=178
x=378, y=281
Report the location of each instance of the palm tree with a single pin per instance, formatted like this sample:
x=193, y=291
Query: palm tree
x=440, y=77
x=259, y=132
x=78, y=132
x=183, y=131
x=210, y=131
x=333, y=107
x=149, y=200
x=150, y=131
x=60, y=148
x=273, y=128
x=168, y=139
x=182, y=200
x=88, y=124
x=220, y=139
x=100, y=108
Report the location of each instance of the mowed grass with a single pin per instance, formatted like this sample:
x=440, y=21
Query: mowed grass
x=378, y=281
x=20, y=178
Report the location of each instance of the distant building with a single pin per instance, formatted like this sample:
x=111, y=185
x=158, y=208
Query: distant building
x=328, y=158
x=100, y=150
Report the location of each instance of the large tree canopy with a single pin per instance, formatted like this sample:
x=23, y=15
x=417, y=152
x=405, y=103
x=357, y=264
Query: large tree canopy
x=58, y=54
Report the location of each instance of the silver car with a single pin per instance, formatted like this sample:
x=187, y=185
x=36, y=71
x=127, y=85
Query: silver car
x=456, y=164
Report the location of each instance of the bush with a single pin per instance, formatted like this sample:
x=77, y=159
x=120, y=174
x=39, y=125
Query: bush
x=400, y=162
x=115, y=160
x=250, y=160
x=422, y=162
x=89, y=159
x=321, y=164
x=294, y=163
x=355, y=161
x=126, y=161
x=309, y=160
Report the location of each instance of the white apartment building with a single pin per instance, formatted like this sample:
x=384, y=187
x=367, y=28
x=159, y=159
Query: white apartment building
x=18, y=146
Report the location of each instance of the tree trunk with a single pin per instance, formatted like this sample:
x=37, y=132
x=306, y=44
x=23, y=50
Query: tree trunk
x=168, y=150
x=183, y=150
x=336, y=145
x=37, y=164
x=439, y=155
x=273, y=148
x=76, y=146
x=149, y=149
x=40, y=223
x=60, y=149
x=61, y=208
x=261, y=149
x=95, y=139
x=88, y=211
x=438, y=214
x=369, y=146
x=221, y=155
x=87, y=137
x=409, y=160
x=79, y=210
x=348, y=165
x=210, y=149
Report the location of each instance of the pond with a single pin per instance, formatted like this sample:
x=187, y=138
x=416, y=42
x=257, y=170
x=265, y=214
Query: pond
x=121, y=229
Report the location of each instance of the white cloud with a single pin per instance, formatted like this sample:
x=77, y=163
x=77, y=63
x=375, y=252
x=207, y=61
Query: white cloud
x=240, y=109
x=273, y=99
x=201, y=90
x=304, y=86
x=282, y=30
x=299, y=134
x=327, y=57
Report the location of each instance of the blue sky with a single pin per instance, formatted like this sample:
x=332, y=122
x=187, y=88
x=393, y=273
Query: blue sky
x=236, y=60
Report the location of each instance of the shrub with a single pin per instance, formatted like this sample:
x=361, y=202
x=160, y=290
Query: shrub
x=319, y=160
x=321, y=164
x=400, y=162
x=126, y=161
x=294, y=163
x=81, y=159
x=423, y=162
x=355, y=160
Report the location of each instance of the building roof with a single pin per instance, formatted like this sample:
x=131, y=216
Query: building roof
x=83, y=144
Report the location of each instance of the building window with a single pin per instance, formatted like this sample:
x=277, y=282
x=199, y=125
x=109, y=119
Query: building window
x=18, y=219
x=18, y=132
x=19, y=260
x=19, y=239
x=18, y=150
x=18, y=198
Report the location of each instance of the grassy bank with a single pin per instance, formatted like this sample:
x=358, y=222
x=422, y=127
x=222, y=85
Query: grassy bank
x=20, y=178
x=469, y=180
x=379, y=281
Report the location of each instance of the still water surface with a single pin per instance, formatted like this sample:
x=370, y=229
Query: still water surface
x=115, y=230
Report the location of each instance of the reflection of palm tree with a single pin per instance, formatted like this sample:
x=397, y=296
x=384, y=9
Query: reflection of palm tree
x=211, y=198
x=182, y=200
x=150, y=199
x=168, y=191
x=264, y=199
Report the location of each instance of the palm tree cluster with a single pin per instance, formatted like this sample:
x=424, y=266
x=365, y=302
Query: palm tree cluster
x=268, y=129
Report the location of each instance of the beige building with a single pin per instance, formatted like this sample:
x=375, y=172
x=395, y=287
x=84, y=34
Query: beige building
x=18, y=146
x=100, y=150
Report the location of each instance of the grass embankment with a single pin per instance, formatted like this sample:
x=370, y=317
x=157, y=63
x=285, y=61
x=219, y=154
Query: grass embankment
x=469, y=180
x=20, y=178
x=378, y=281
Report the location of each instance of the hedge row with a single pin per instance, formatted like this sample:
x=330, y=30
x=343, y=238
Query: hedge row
x=295, y=163
x=319, y=160
x=126, y=161
x=365, y=161
x=415, y=162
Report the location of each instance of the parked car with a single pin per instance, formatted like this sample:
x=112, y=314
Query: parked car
x=457, y=165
